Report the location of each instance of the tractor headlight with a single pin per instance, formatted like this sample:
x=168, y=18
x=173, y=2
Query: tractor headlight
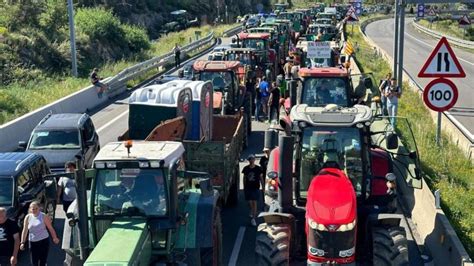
x=316, y=226
x=347, y=253
x=316, y=251
x=347, y=227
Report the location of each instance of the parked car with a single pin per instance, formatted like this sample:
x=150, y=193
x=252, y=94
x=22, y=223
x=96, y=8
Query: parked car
x=61, y=137
x=23, y=180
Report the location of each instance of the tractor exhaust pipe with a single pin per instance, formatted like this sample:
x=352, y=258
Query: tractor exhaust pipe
x=271, y=137
x=285, y=173
x=292, y=86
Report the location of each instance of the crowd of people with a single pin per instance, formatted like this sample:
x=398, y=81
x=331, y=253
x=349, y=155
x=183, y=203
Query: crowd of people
x=37, y=227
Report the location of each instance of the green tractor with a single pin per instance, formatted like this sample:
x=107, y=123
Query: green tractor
x=143, y=208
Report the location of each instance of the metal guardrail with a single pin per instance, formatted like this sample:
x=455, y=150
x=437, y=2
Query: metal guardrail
x=118, y=81
x=232, y=31
x=456, y=41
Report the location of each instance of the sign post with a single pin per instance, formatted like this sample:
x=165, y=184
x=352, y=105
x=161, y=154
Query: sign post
x=464, y=22
x=441, y=94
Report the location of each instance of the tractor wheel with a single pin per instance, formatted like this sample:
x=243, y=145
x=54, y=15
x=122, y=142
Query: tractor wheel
x=272, y=246
x=233, y=197
x=389, y=246
x=213, y=256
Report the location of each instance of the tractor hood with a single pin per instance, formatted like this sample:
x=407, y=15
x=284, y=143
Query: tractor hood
x=331, y=199
x=126, y=242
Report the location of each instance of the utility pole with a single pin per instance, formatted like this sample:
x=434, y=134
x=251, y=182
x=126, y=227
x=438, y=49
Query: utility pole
x=72, y=37
x=395, y=43
x=401, y=40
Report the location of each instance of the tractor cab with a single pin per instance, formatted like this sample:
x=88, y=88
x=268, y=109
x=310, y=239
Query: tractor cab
x=226, y=77
x=280, y=7
x=331, y=85
x=321, y=32
x=248, y=58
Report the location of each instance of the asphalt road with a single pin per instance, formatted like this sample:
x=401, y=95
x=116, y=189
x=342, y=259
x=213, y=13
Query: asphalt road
x=418, y=47
x=238, y=235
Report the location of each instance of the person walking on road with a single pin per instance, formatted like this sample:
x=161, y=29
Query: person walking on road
x=264, y=90
x=253, y=177
x=9, y=239
x=392, y=93
x=274, y=103
x=36, y=226
x=177, y=56
x=383, y=100
x=67, y=187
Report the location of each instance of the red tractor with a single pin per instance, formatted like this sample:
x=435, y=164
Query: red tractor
x=340, y=190
x=261, y=42
x=318, y=87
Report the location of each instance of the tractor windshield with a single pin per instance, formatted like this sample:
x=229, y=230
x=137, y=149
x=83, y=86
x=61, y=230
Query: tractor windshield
x=221, y=81
x=6, y=191
x=130, y=192
x=258, y=44
x=331, y=147
x=244, y=58
x=319, y=92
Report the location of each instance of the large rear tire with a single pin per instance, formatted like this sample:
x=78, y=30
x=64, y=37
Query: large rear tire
x=272, y=245
x=213, y=256
x=389, y=246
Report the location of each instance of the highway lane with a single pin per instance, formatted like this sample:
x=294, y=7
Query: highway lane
x=418, y=46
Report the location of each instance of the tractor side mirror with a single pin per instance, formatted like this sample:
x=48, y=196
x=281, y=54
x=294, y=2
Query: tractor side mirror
x=391, y=141
x=368, y=83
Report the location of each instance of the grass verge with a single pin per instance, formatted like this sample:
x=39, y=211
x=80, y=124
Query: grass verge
x=17, y=99
x=448, y=27
x=446, y=167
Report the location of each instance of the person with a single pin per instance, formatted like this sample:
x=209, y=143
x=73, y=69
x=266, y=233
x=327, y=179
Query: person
x=274, y=103
x=95, y=80
x=9, y=239
x=319, y=37
x=177, y=56
x=253, y=177
x=264, y=160
x=323, y=94
x=36, y=226
x=287, y=68
x=295, y=68
x=67, y=187
x=250, y=87
x=383, y=84
x=392, y=93
x=264, y=89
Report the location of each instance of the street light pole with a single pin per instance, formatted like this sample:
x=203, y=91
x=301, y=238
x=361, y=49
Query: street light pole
x=401, y=40
x=72, y=37
x=395, y=43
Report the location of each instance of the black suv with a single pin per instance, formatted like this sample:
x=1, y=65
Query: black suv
x=23, y=179
x=61, y=137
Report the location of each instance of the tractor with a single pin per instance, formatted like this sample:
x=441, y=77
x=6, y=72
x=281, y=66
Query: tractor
x=143, y=208
x=249, y=60
x=262, y=43
x=329, y=179
x=318, y=87
x=228, y=77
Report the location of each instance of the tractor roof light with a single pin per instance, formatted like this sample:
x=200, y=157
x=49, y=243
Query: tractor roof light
x=143, y=164
x=360, y=125
x=111, y=164
x=99, y=165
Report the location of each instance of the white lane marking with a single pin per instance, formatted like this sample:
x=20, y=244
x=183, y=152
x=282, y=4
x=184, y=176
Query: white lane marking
x=429, y=45
x=112, y=121
x=414, y=50
x=237, y=245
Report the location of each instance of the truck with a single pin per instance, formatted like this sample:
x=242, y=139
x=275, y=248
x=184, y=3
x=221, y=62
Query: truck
x=331, y=190
x=182, y=110
x=143, y=208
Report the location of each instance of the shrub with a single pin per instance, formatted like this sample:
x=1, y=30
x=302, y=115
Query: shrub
x=98, y=23
x=136, y=38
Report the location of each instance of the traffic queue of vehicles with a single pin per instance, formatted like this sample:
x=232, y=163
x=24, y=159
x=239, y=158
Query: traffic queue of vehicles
x=155, y=195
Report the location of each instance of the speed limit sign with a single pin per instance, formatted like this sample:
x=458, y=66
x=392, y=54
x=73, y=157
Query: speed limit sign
x=440, y=95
